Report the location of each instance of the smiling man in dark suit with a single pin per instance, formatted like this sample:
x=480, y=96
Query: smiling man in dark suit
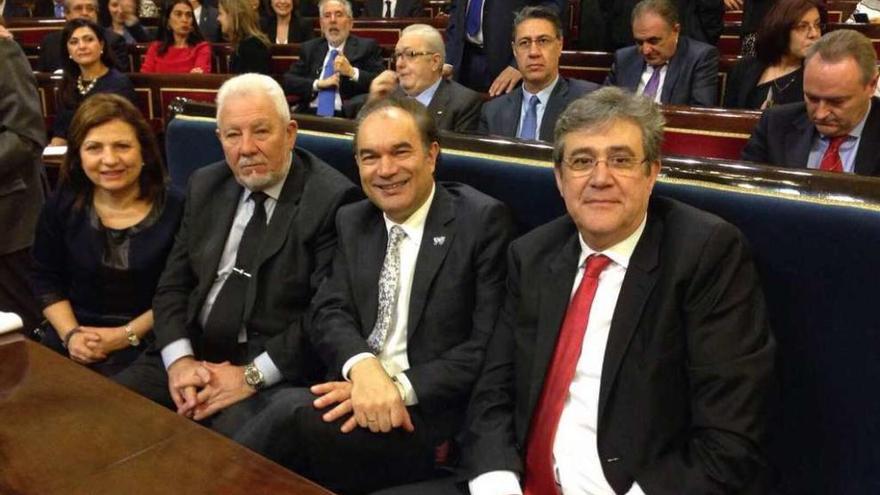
x=837, y=127
x=417, y=73
x=530, y=111
x=632, y=354
x=664, y=64
x=255, y=242
x=393, y=8
x=335, y=67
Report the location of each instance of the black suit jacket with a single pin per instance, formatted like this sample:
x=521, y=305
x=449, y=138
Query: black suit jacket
x=208, y=25
x=456, y=293
x=51, y=51
x=785, y=134
x=702, y=20
x=687, y=367
x=299, y=29
x=454, y=107
x=501, y=116
x=22, y=137
x=11, y=9
x=691, y=78
x=404, y=8
x=293, y=260
x=363, y=53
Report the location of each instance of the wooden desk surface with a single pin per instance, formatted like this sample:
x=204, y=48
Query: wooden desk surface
x=66, y=430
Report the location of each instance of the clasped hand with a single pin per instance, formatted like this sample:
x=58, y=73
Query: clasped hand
x=200, y=389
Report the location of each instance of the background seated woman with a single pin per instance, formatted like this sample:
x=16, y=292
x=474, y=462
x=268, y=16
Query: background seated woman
x=121, y=17
x=285, y=25
x=238, y=22
x=775, y=75
x=87, y=71
x=103, y=236
x=179, y=45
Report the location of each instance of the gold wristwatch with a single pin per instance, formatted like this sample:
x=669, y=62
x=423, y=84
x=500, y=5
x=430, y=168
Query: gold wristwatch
x=132, y=337
x=254, y=377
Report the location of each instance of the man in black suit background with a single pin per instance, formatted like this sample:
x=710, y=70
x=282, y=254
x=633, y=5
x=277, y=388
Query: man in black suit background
x=664, y=64
x=255, y=242
x=419, y=56
x=393, y=8
x=12, y=9
x=206, y=18
x=335, y=67
x=51, y=51
x=530, y=111
x=837, y=127
x=632, y=354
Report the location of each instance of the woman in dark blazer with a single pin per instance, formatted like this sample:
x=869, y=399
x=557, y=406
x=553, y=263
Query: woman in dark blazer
x=238, y=22
x=285, y=25
x=775, y=74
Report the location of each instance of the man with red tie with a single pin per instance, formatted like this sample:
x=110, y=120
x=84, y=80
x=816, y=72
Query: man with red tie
x=632, y=354
x=837, y=127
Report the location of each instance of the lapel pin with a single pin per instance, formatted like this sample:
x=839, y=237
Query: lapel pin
x=438, y=241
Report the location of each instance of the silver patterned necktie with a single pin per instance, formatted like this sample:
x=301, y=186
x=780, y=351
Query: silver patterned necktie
x=389, y=279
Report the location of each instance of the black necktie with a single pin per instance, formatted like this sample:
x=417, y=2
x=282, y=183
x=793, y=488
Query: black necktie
x=388, y=9
x=220, y=334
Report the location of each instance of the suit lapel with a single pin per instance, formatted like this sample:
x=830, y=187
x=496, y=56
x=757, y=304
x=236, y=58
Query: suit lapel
x=510, y=112
x=221, y=214
x=552, y=305
x=798, y=140
x=440, y=101
x=438, y=235
x=368, y=266
x=639, y=281
x=867, y=161
x=554, y=108
x=320, y=54
x=673, y=71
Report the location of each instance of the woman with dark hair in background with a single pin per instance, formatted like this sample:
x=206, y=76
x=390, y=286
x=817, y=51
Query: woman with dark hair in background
x=121, y=17
x=103, y=236
x=775, y=75
x=285, y=25
x=88, y=70
x=179, y=45
x=238, y=22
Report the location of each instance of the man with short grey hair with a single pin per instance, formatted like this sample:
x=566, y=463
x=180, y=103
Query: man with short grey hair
x=255, y=243
x=837, y=126
x=417, y=73
x=632, y=354
x=51, y=51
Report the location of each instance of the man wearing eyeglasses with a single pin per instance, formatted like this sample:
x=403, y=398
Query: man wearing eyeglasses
x=632, y=354
x=530, y=111
x=50, y=48
x=335, y=67
x=417, y=73
x=664, y=64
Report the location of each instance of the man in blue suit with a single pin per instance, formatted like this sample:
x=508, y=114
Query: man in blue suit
x=663, y=64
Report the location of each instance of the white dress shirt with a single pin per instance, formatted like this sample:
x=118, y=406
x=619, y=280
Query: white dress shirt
x=337, y=104
x=393, y=356
x=183, y=347
x=393, y=7
x=847, y=151
x=575, y=448
x=646, y=74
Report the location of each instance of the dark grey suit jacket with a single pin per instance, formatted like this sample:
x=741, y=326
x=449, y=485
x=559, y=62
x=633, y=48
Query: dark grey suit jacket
x=785, y=134
x=691, y=78
x=404, y=8
x=683, y=399
x=363, y=53
x=457, y=290
x=294, y=257
x=208, y=24
x=22, y=138
x=51, y=52
x=501, y=116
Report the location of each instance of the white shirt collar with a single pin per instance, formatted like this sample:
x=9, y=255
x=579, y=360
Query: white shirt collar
x=619, y=253
x=415, y=224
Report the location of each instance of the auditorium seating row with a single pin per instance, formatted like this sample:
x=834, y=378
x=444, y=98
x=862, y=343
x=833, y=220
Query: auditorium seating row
x=705, y=132
x=814, y=239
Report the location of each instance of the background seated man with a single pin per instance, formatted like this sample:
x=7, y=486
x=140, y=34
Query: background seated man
x=663, y=64
x=837, y=127
x=530, y=111
x=393, y=8
x=255, y=242
x=632, y=353
x=51, y=50
x=417, y=73
x=336, y=66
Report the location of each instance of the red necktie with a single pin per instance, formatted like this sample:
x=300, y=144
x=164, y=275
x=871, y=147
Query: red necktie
x=831, y=159
x=545, y=419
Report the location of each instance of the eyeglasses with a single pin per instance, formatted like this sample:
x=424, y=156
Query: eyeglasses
x=806, y=27
x=543, y=42
x=585, y=165
x=410, y=55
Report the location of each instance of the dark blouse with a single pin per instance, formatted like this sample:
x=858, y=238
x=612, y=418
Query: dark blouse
x=743, y=90
x=298, y=30
x=108, y=275
x=251, y=56
x=111, y=82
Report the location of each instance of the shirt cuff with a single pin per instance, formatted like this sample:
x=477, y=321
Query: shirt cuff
x=315, y=86
x=346, y=368
x=176, y=350
x=409, y=396
x=495, y=483
x=355, y=73
x=271, y=373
